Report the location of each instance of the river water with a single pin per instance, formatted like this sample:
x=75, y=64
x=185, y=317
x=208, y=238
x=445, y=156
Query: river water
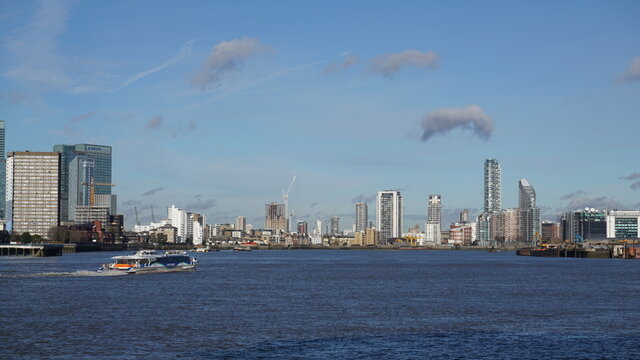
x=316, y=304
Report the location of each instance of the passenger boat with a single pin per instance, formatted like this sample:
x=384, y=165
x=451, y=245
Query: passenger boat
x=150, y=261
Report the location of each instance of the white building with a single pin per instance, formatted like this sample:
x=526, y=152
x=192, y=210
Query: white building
x=195, y=227
x=623, y=224
x=178, y=219
x=433, y=233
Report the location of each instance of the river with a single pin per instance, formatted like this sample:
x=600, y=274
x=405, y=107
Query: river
x=316, y=304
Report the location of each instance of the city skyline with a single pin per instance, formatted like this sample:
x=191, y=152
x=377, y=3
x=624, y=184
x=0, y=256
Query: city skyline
x=348, y=115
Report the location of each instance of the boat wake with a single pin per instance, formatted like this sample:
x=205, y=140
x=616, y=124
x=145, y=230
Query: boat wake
x=64, y=274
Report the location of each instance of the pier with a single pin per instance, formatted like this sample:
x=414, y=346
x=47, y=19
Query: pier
x=31, y=249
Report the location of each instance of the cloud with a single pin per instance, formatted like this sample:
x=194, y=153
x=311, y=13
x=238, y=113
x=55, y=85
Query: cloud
x=363, y=198
x=601, y=202
x=226, y=58
x=154, y=123
x=633, y=176
x=389, y=64
x=199, y=204
x=635, y=185
x=313, y=204
x=349, y=60
x=153, y=191
x=633, y=71
x=573, y=195
x=192, y=125
x=442, y=121
x=179, y=56
x=82, y=117
x=34, y=47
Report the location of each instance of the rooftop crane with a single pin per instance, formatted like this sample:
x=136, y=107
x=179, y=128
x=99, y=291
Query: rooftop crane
x=92, y=190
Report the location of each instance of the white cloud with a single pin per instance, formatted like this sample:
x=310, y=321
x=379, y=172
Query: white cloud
x=389, y=64
x=226, y=58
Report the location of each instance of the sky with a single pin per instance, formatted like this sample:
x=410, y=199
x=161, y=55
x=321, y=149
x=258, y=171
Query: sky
x=216, y=106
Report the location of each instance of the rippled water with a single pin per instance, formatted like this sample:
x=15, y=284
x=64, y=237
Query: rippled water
x=324, y=304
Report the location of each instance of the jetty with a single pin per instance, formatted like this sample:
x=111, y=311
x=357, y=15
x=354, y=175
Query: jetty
x=31, y=249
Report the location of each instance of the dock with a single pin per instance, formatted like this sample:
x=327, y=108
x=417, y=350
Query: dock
x=31, y=249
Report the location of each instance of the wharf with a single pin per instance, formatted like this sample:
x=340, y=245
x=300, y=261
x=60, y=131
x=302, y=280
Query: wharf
x=31, y=249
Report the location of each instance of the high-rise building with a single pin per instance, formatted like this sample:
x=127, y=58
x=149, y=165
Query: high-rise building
x=33, y=193
x=483, y=229
x=505, y=226
x=590, y=224
x=492, y=186
x=3, y=174
x=433, y=227
x=362, y=216
x=335, y=225
x=241, y=224
x=275, y=217
x=80, y=172
x=101, y=156
x=303, y=228
x=195, y=227
x=389, y=214
x=530, y=224
x=464, y=216
x=178, y=219
x=623, y=224
x=434, y=211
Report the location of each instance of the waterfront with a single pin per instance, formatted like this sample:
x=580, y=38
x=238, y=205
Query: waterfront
x=324, y=304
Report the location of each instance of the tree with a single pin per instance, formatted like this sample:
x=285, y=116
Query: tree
x=4, y=236
x=26, y=238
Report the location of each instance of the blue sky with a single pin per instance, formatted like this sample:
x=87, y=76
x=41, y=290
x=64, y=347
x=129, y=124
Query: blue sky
x=215, y=106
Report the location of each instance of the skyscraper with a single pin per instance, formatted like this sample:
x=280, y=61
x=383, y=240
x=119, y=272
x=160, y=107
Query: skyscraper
x=3, y=174
x=389, y=214
x=101, y=156
x=492, y=201
x=434, y=211
x=362, y=216
x=81, y=171
x=178, y=219
x=275, y=217
x=33, y=191
x=303, y=228
x=241, y=223
x=492, y=186
x=530, y=224
x=433, y=227
x=335, y=225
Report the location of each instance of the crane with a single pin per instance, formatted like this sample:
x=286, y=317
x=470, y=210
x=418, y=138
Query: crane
x=285, y=199
x=92, y=190
x=137, y=219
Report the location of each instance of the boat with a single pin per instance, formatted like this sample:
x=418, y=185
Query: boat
x=240, y=248
x=150, y=261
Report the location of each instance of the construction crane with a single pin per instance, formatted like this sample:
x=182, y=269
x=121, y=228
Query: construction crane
x=92, y=190
x=153, y=218
x=537, y=240
x=285, y=199
x=137, y=219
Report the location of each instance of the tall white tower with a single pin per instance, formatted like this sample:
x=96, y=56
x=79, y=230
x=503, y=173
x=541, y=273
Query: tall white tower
x=389, y=214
